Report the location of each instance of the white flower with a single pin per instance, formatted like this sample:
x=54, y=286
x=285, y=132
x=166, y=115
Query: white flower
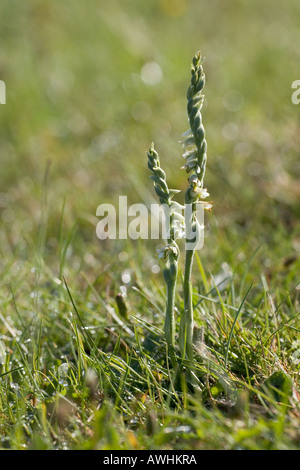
x=196, y=191
x=179, y=229
x=206, y=205
x=161, y=252
x=164, y=252
x=203, y=193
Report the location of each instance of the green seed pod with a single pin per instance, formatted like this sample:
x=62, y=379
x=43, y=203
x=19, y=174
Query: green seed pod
x=173, y=271
x=166, y=274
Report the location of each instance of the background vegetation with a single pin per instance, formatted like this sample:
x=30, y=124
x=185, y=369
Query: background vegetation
x=89, y=86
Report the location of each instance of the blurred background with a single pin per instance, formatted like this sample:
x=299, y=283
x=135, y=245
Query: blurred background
x=90, y=84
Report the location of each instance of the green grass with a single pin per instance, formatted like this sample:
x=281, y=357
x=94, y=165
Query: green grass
x=76, y=370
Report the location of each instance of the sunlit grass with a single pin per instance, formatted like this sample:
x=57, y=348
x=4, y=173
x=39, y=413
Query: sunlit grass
x=76, y=370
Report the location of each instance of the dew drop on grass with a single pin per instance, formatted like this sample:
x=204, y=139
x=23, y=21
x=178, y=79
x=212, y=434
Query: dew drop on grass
x=230, y=131
x=178, y=429
x=141, y=111
x=123, y=256
x=155, y=269
x=123, y=290
x=233, y=100
x=242, y=149
x=151, y=73
x=62, y=371
x=126, y=278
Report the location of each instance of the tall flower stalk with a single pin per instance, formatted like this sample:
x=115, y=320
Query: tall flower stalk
x=171, y=251
x=195, y=148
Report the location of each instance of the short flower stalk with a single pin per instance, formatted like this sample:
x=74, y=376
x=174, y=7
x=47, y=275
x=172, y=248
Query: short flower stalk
x=171, y=251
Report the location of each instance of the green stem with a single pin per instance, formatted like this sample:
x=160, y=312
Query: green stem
x=170, y=317
x=187, y=322
x=171, y=275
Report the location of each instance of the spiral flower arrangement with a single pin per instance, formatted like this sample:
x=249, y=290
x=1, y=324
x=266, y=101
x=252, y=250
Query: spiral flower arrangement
x=195, y=143
x=195, y=148
x=171, y=251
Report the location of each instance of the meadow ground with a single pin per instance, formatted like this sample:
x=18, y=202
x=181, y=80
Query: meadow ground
x=88, y=86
